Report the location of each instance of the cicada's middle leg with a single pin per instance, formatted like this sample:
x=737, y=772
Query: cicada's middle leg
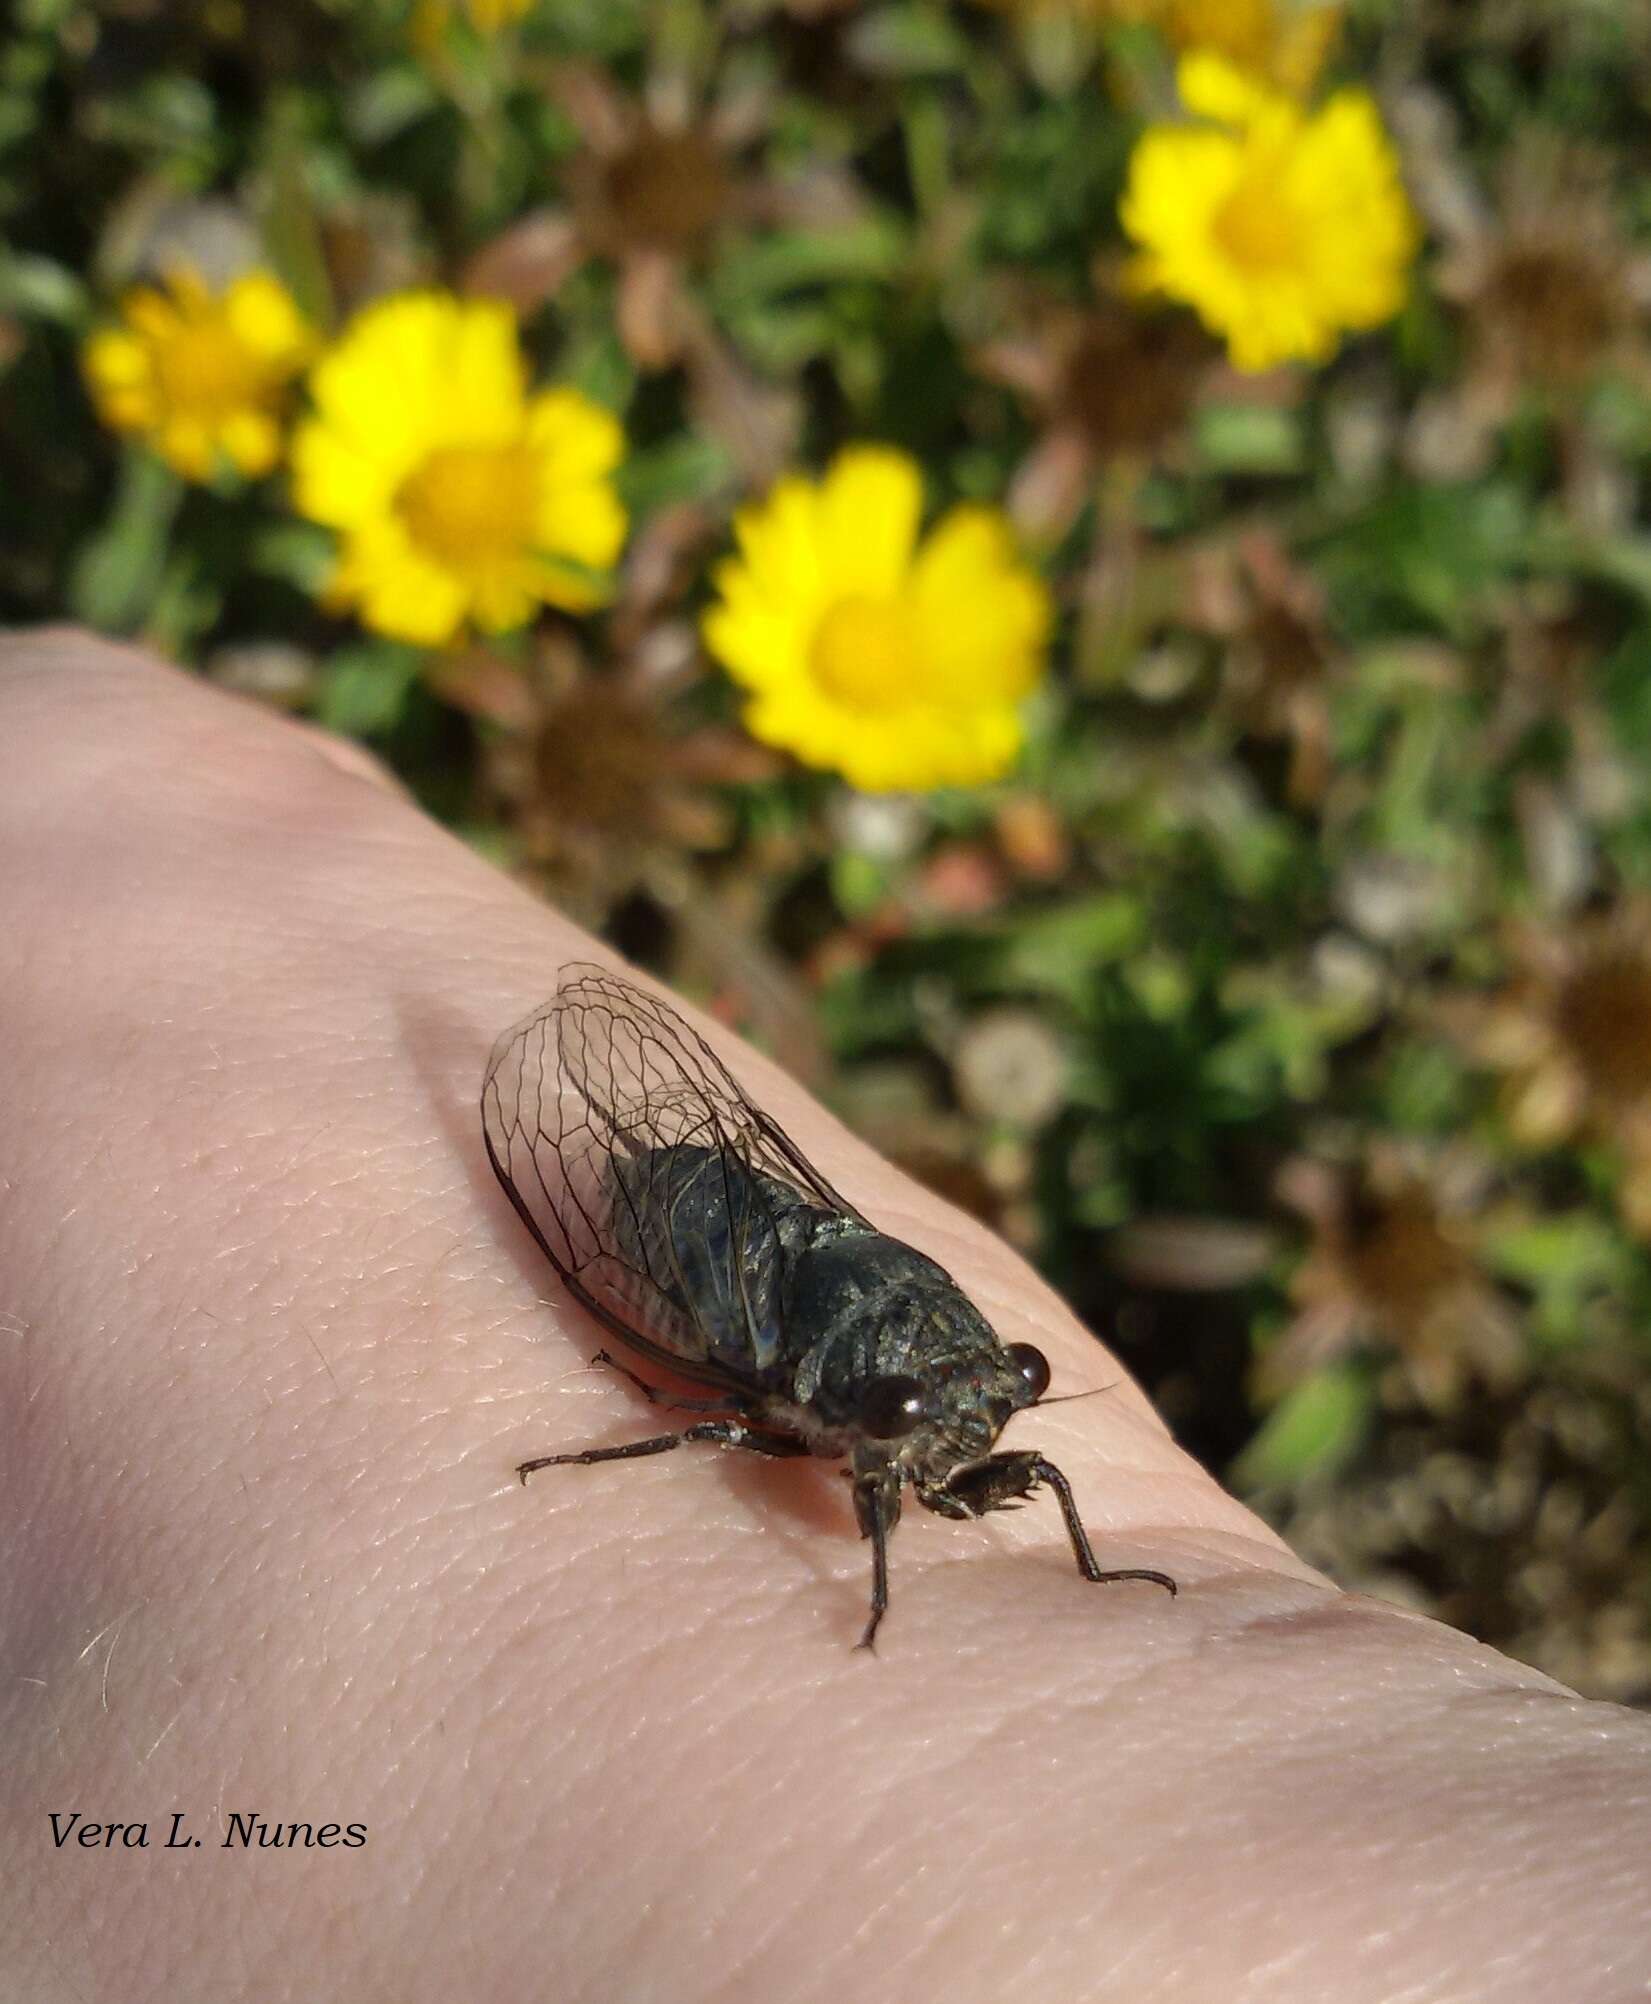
x=720, y=1432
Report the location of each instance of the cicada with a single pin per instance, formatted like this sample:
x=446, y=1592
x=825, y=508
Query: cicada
x=692, y=1227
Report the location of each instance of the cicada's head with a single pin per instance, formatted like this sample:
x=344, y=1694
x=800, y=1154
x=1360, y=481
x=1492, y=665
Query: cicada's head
x=948, y=1411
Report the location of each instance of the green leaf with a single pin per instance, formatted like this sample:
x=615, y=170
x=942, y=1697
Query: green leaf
x=387, y=103
x=1566, y=1262
x=118, y=572
x=859, y=883
x=1426, y=1089
x=1435, y=553
x=1314, y=1429
x=1060, y=949
x=686, y=467
x=364, y=689
x=291, y=226
x=299, y=553
x=1249, y=438
x=909, y=41
x=784, y=260
x=38, y=288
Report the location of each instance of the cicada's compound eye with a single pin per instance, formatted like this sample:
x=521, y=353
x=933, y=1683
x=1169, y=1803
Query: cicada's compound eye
x=891, y=1408
x=1031, y=1366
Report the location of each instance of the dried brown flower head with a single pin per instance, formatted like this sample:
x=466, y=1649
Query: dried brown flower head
x=1571, y=1032
x=1108, y=383
x=600, y=777
x=658, y=181
x=1553, y=295
x=662, y=190
x=655, y=179
x=1277, y=652
x=1393, y=1266
x=1125, y=379
x=658, y=178
x=595, y=783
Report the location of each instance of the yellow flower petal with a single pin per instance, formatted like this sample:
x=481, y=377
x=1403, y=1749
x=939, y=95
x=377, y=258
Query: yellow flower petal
x=337, y=479
x=582, y=441
x=187, y=445
x=379, y=388
x=585, y=524
x=1284, y=42
x=155, y=318
x=202, y=378
x=484, y=375
x=753, y=632
x=251, y=440
x=780, y=544
x=869, y=508
x=1285, y=230
x=1210, y=86
x=983, y=617
x=265, y=318
x=894, y=663
x=462, y=499
x=396, y=590
x=114, y=360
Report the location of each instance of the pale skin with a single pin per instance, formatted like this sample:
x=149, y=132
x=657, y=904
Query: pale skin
x=271, y=1346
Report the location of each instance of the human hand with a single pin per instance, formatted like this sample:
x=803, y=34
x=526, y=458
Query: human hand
x=271, y=1345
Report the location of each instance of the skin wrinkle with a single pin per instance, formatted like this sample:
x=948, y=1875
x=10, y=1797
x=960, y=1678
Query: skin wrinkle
x=593, y=1730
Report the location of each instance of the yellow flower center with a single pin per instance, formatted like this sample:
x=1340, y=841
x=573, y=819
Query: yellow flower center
x=204, y=367
x=467, y=504
x=865, y=654
x=1257, y=227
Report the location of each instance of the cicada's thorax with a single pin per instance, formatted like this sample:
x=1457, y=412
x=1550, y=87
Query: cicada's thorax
x=876, y=1308
x=806, y=1308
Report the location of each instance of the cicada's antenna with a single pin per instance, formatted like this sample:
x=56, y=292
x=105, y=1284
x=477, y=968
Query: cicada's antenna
x=1067, y=1398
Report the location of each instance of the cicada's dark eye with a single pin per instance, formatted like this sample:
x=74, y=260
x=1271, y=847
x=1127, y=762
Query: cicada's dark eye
x=1031, y=1366
x=891, y=1408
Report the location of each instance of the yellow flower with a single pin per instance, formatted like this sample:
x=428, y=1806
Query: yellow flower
x=459, y=495
x=201, y=375
x=896, y=664
x=1283, y=41
x=1283, y=227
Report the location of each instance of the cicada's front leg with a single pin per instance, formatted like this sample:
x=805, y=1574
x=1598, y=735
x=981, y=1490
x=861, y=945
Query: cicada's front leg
x=999, y=1481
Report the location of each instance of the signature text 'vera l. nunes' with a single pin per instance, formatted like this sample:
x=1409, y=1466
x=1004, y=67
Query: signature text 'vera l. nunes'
x=243, y=1832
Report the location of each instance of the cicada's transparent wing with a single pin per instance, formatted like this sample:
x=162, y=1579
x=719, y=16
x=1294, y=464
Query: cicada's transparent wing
x=664, y=1197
